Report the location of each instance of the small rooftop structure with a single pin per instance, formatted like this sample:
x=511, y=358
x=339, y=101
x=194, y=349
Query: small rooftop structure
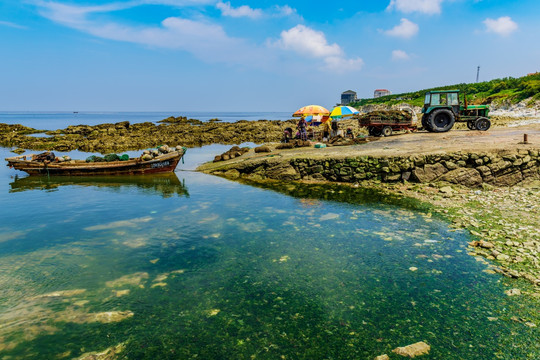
x=381, y=92
x=348, y=97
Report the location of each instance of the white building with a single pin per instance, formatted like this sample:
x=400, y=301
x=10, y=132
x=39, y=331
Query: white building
x=381, y=92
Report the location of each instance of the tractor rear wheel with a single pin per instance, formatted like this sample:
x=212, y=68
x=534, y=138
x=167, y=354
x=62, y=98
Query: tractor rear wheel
x=441, y=120
x=482, y=124
x=387, y=131
x=471, y=125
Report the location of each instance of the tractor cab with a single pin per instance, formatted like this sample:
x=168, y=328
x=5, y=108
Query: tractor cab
x=448, y=99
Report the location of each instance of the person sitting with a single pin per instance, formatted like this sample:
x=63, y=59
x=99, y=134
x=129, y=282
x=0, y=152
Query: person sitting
x=349, y=133
x=287, y=135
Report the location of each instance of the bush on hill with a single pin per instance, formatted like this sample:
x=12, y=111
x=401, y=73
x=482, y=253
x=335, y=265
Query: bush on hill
x=512, y=90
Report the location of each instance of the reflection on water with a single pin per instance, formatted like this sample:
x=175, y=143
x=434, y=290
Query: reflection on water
x=237, y=272
x=166, y=185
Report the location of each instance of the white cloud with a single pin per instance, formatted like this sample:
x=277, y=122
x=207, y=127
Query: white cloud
x=406, y=29
x=307, y=41
x=242, y=11
x=399, y=55
x=284, y=10
x=502, y=26
x=204, y=39
x=12, y=25
x=311, y=43
x=429, y=7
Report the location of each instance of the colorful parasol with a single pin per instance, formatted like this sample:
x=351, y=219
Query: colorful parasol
x=342, y=111
x=311, y=110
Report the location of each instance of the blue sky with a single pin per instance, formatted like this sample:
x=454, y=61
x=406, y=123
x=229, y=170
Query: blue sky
x=241, y=55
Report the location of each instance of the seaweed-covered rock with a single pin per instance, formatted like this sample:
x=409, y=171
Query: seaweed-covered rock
x=263, y=149
x=232, y=153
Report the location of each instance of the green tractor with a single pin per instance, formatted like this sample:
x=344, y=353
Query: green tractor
x=443, y=108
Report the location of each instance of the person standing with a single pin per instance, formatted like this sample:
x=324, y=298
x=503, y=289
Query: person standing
x=335, y=128
x=302, y=129
x=326, y=130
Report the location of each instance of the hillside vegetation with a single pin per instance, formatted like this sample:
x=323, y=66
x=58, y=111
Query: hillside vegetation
x=497, y=92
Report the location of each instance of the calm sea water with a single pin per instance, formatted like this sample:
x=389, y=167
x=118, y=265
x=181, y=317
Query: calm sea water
x=59, y=120
x=188, y=265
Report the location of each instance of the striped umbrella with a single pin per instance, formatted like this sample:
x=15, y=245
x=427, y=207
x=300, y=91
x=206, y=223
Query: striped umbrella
x=342, y=111
x=311, y=110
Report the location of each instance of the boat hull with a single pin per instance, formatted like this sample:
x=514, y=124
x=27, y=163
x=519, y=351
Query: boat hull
x=162, y=164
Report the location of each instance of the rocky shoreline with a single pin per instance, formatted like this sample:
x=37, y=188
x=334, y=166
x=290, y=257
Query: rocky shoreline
x=123, y=136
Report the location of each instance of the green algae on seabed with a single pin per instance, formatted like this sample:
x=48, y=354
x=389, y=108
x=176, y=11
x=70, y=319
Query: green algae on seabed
x=250, y=273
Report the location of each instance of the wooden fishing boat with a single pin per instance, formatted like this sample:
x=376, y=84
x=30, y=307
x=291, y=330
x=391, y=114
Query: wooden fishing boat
x=134, y=166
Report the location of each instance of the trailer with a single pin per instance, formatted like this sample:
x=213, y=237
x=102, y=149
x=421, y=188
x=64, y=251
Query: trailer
x=384, y=123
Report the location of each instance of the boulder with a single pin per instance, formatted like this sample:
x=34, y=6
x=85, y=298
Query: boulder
x=429, y=172
x=282, y=172
x=509, y=179
x=464, y=176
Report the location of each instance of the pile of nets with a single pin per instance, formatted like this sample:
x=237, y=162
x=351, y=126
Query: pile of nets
x=160, y=150
x=46, y=156
x=107, y=158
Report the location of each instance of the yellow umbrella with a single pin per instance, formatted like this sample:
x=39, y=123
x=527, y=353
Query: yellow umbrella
x=311, y=110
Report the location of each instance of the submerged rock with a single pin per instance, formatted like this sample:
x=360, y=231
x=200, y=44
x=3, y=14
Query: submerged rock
x=413, y=350
x=106, y=317
x=513, y=292
x=61, y=293
x=132, y=279
x=107, y=354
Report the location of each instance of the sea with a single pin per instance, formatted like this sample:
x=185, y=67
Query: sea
x=192, y=266
x=52, y=120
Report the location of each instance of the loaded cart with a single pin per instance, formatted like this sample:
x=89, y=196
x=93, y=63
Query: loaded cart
x=384, y=123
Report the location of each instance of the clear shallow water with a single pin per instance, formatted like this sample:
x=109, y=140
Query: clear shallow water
x=192, y=265
x=59, y=120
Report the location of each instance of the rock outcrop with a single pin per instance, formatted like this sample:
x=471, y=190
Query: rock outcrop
x=123, y=136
